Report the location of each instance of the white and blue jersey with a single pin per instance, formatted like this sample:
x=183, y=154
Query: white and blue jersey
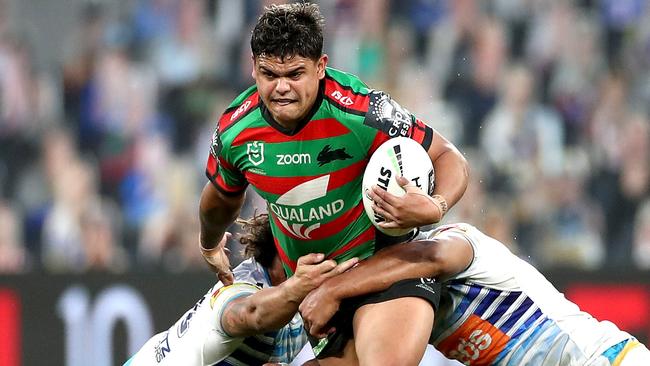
x=198, y=339
x=502, y=311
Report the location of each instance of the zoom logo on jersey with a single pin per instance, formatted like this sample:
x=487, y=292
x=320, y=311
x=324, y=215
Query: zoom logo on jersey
x=289, y=159
x=386, y=115
x=255, y=152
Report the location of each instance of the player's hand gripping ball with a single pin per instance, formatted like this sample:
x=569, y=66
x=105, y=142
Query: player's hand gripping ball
x=399, y=156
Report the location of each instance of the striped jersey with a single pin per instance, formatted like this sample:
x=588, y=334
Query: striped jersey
x=502, y=311
x=197, y=338
x=311, y=176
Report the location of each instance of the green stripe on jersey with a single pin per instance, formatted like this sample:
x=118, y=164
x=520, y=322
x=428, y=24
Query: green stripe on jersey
x=308, y=182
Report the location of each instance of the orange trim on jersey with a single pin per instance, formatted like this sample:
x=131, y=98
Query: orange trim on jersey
x=281, y=185
x=314, y=130
x=475, y=342
x=367, y=235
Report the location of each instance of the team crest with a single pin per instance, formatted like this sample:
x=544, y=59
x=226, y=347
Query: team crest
x=255, y=152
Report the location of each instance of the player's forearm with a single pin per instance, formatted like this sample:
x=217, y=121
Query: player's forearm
x=452, y=175
x=266, y=310
x=392, y=264
x=216, y=213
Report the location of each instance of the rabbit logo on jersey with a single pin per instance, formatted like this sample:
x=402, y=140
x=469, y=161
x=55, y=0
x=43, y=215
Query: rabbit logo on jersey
x=288, y=208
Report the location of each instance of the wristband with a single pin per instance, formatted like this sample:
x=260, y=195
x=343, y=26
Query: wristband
x=211, y=255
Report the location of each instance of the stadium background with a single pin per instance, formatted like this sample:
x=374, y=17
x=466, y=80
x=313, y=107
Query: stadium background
x=107, y=110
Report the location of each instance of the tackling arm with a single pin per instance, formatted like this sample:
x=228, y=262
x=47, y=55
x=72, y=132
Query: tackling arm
x=445, y=255
x=272, y=308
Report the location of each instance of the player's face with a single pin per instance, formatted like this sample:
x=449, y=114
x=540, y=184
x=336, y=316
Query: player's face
x=288, y=87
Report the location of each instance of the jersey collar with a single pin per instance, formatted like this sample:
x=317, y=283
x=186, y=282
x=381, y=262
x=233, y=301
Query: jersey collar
x=293, y=131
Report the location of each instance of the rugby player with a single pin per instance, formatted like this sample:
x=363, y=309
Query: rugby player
x=496, y=309
x=248, y=322
x=301, y=137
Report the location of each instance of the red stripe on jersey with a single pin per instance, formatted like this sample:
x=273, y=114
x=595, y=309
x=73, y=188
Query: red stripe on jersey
x=283, y=256
x=281, y=185
x=224, y=163
x=10, y=323
x=235, y=114
x=364, y=237
x=380, y=138
x=337, y=224
x=228, y=188
x=314, y=130
x=346, y=97
x=212, y=165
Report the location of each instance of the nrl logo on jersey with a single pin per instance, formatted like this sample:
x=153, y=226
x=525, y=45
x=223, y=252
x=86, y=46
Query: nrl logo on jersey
x=255, y=151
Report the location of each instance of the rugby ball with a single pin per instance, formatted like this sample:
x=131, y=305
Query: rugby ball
x=399, y=156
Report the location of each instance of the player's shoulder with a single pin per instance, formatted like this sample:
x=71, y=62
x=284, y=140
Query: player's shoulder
x=242, y=106
x=346, y=92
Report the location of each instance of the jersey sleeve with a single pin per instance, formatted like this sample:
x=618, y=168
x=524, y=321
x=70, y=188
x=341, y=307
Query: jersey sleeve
x=220, y=171
x=392, y=120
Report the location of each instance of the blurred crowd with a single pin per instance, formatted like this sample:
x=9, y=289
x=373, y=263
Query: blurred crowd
x=102, y=148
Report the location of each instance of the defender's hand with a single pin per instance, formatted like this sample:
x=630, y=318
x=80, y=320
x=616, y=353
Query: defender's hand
x=217, y=260
x=317, y=309
x=413, y=209
x=312, y=270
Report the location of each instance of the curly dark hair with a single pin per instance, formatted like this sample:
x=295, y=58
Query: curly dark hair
x=257, y=239
x=287, y=30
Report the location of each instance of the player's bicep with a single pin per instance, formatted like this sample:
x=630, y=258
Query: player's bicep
x=236, y=319
x=438, y=145
x=230, y=307
x=452, y=252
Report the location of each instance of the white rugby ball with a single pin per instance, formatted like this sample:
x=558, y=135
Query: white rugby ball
x=397, y=156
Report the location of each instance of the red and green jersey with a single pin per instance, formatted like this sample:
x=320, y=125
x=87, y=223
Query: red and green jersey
x=311, y=177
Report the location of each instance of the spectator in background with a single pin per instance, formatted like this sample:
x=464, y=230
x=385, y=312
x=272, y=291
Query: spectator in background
x=141, y=74
x=13, y=256
x=523, y=143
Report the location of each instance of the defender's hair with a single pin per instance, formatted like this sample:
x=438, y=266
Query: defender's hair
x=287, y=30
x=257, y=239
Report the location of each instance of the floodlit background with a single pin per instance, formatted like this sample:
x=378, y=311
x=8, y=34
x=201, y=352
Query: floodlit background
x=107, y=110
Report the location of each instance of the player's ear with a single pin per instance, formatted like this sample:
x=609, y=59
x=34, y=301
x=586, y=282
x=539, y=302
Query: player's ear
x=254, y=71
x=321, y=64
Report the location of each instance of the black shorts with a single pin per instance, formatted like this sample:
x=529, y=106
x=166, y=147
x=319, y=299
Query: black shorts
x=425, y=288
